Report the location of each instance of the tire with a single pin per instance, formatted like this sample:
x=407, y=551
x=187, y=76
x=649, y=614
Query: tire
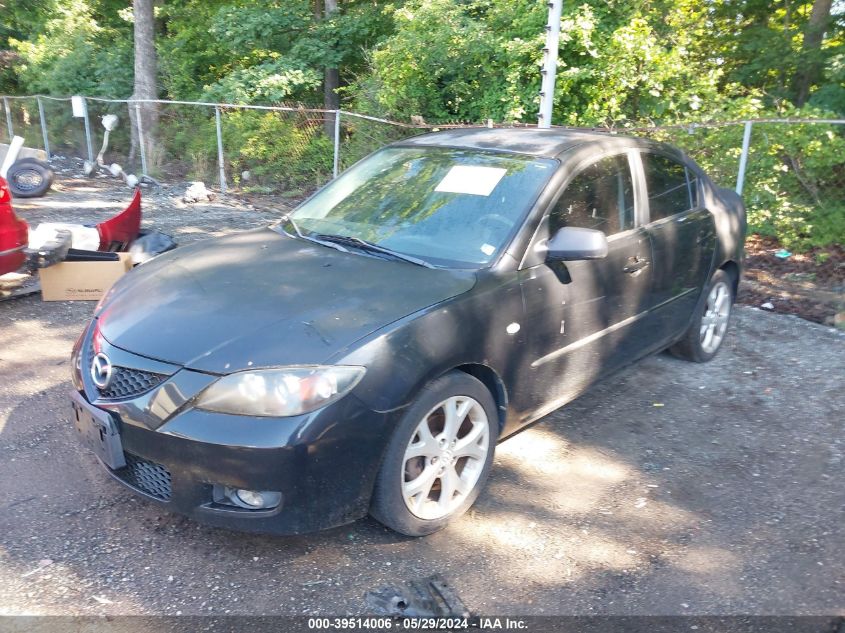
x=29, y=178
x=696, y=345
x=32, y=159
x=394, y=502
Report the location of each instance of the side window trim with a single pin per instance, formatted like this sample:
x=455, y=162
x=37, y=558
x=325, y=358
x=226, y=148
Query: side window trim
x=694, y=185
x=641, y=208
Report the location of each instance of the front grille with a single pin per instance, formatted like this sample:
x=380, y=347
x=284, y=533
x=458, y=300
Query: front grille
x=128, y=383
x=89, y=357
x=125, y=382
x=146, y=476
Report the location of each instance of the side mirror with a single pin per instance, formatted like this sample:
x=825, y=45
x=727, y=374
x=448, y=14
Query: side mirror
x=573, y=243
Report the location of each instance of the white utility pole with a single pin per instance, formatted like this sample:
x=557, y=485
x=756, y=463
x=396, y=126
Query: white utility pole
x=549, y=68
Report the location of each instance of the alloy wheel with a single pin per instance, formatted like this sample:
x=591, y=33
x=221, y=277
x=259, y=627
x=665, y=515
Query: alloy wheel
x=445, y=457
x=714, y=323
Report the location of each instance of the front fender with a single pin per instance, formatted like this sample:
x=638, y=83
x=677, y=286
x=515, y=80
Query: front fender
x=476, y=328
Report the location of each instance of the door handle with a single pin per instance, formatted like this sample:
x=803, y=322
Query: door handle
x=635, y=265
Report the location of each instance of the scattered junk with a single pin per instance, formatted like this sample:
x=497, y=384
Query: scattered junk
x=74, y=261
x=48, y=235
x=197, y=192
x=49, y=245
x=83, y=276
x=148, y=244
x=117, y=233
x=428, y=597
x=110, y=122
x=27, y=174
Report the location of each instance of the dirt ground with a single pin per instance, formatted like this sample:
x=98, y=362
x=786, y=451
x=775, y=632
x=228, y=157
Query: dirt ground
x=810, y=285
x=670, y=488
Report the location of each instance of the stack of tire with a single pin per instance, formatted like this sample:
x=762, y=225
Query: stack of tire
x=29, y=178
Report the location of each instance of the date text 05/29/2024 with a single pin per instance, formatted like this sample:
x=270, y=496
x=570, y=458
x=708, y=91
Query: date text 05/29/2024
x=417, y=623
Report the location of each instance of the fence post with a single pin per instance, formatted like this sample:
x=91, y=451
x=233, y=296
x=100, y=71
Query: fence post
x=141, y=145
x=220, y=149
x=43, y=119
x=549, y=68
x=743, y=158
x=87, y=131
x=9, y=126
x=336, y=167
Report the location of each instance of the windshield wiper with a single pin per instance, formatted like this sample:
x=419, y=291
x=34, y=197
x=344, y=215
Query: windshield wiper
x=369, y=246
x=309, y=238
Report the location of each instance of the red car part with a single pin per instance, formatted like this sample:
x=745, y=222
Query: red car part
x=14, y=233
x=117, y=233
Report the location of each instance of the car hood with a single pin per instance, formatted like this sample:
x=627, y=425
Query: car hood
x=261, y=299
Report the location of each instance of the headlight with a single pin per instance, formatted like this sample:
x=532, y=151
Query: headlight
x=76, y=363
x=279, y=392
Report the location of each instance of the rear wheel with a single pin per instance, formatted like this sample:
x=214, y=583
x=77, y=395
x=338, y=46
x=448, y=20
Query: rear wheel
x=438, y=458
x=707, y=332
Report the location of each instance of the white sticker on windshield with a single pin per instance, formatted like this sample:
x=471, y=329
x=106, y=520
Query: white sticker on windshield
x=474, y=180
x=488, y=249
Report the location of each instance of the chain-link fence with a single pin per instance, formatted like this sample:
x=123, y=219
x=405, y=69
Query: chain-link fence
x=791, y=172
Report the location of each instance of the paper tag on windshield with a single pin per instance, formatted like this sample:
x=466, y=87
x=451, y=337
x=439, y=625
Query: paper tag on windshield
x=474, y=180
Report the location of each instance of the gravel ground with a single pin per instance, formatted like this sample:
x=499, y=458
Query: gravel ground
x=670, y=488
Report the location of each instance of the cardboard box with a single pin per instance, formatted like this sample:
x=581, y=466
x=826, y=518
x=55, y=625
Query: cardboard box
x=81, y=281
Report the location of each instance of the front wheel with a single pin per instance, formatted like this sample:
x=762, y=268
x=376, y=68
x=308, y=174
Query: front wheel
x=707, y=331
x=438, y=458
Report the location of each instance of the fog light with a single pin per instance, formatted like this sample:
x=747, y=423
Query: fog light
x=250, y=498
x=246, y=499
x=257, y=500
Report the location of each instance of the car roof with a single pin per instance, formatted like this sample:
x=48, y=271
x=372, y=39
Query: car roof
x=535, y=142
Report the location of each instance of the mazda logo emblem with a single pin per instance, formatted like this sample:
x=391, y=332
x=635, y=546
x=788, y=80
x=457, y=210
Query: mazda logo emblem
x=101, y=370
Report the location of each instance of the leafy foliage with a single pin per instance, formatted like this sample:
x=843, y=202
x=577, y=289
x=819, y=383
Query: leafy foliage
x=795, y=178
x=74, y=53
x=621, y=64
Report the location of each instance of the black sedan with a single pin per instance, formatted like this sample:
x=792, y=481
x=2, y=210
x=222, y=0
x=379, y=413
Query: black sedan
x=366, y=353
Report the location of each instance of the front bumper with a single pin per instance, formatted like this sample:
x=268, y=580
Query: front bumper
x=323, y=463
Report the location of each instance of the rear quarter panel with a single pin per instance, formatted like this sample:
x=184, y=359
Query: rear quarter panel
x=730, y=220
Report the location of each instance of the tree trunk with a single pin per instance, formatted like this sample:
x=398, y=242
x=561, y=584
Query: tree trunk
x=146, y=85
x=811, y=68
x=331, y=81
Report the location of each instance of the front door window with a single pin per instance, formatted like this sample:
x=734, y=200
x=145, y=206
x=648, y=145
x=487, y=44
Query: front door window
x=600, y=197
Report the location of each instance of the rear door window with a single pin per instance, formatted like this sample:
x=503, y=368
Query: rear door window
x=671, y=186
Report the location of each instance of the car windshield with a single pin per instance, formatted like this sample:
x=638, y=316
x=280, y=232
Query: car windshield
x=447, y=207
